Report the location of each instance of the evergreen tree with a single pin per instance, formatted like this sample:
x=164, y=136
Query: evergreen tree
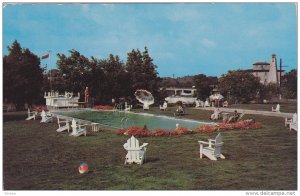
x=22, y=76
x=142, y=72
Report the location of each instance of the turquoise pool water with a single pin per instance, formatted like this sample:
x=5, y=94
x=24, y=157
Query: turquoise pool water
x=128, y=119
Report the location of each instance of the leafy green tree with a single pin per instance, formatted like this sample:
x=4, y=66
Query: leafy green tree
x=54, y=80
x=289, y=84
x=268, y=92
x=22, y=76
x=117, y=81
x=204, y=85
x=96, y=81
x=142, y=72
x=75, y=71
x=239, y=86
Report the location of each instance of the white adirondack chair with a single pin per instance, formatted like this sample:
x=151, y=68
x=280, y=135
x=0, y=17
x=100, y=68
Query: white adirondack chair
x=206, y=104
x=197, y=104
x=225, y=104
x=128, y=108
x=78, y=130
x=46, y=117
x=63, y=125
x=31, y=115
x=213, y=150
x=164, y=106
x=135, y=152
x=277, y=109
x=287, y=121
x=294, y=123
x=202, y=104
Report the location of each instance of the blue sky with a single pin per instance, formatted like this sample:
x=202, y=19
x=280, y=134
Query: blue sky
x=183, y=39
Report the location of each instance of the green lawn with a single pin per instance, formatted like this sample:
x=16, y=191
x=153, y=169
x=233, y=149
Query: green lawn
x=35, y=157
x=286, y=107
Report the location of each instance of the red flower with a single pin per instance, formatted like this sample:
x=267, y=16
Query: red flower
x=103, y=107
x=40, y=108
x=141, y=132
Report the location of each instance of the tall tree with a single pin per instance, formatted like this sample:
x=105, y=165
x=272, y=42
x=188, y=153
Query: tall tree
x=22, y=76
x=204, y=85
x=142, y=72
x=96, y=82
x=239, y=86
x=289, y=84
x=117, y=82
x=74, y=69
x=267, y=92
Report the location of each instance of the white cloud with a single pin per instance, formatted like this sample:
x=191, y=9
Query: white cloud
x=208, y=43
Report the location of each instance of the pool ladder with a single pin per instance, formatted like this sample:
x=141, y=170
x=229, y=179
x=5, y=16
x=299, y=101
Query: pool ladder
x=118, y=107
x=125, y=121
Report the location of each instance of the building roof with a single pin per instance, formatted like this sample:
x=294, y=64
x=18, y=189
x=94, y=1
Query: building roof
x=258, y=70
x=261, y=63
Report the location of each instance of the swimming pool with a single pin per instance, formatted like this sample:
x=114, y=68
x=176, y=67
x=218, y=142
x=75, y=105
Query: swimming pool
x=128, y=119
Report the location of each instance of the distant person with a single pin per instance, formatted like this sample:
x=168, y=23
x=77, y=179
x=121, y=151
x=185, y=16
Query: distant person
x=216, y=114
x=180, y=110
x=145, y=127
x=86, y=95
x=234, y=117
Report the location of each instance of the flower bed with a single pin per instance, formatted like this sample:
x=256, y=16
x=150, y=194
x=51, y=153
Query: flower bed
x=244, y=124
x=103, y=107
x=40, y=108
x=142, y=132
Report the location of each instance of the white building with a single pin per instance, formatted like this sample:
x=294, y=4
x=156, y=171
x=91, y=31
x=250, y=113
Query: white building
x=267, y=72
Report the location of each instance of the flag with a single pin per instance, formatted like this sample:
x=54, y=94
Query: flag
x=45, y=56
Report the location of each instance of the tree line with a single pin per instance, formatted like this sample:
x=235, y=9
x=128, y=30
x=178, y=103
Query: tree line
x=25, y=81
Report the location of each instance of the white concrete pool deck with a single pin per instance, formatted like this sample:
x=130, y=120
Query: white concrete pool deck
x=257, y=112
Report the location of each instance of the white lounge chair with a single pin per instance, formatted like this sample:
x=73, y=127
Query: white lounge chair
x=213, y=150
x=294, y=123
x=63, y=125
x=78, y=130
x=46, y=117
x=164, y=106
x=216, y=115
x=277, y=109
x=135, y=152
x=233, y=118
x=31, y=115
x=287, y=121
